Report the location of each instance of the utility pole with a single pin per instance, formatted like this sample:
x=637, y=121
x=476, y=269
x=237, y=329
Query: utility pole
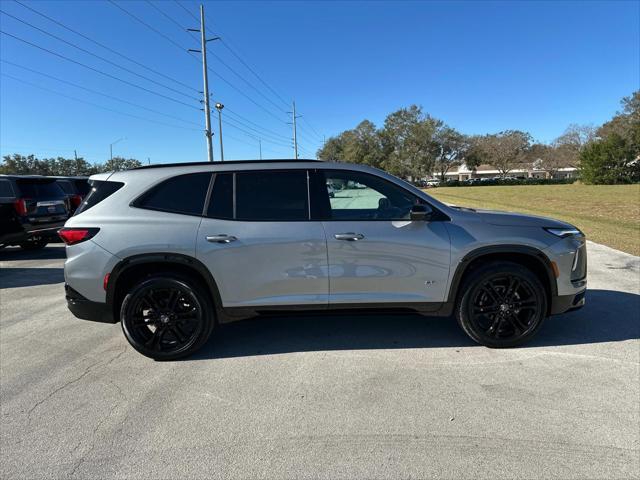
x=295, y=133
x=219, y=107
x=207, y=112
x=260, y=147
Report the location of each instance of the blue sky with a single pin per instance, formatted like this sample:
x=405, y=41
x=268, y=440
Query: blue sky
x=480, y=66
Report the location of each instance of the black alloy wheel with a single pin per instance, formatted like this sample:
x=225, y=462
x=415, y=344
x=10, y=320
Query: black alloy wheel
x=167, y=317
x=503, y=305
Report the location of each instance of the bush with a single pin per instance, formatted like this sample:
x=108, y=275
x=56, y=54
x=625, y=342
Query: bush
x=511, y=181
x=611, y=160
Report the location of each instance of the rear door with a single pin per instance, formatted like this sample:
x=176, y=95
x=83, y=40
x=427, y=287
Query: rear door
x=377, y=256
x=259, y=243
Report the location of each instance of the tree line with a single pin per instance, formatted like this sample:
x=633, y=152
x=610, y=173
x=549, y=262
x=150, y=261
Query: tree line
x=30, y=165
x=412, y=144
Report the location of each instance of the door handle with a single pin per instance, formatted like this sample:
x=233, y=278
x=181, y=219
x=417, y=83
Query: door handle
x=221, y=238
x=349, y=236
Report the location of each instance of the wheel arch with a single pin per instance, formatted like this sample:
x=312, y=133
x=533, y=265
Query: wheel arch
x=529, y=257
x=130, y=269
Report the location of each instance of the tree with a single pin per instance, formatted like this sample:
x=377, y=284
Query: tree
x=407, y=142
x=332, y=150
x=611, y=160
x=569, y=145
x=118, y=163
x=363, y=145
x=30, y=165
x=625, y=123
x=450, y=149
x=505, y=150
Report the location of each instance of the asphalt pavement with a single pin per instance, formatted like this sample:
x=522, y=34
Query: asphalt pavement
x=310, y=397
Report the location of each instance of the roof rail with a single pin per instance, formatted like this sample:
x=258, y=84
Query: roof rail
x=226, y=162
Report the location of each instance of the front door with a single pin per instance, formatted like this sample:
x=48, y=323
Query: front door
x=259, y=243
x=377, y=256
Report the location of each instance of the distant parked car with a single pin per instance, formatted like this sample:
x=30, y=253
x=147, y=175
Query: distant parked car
x=76, y=188
x=32, y=210
x=331, y=190
x=433, y=183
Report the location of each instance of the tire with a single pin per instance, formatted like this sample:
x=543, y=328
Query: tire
x=167, y=316
x=501, y=305
x=33, y=245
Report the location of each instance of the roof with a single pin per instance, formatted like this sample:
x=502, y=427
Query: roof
x=229, y=162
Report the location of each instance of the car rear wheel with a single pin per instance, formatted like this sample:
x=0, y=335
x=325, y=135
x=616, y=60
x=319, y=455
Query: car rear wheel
x=503, y=304
x=167, y=316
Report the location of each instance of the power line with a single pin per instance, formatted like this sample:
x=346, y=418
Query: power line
x=217, y=57
x=107, y=47
x=312, y=129
x=97, y=105
x=186, y=50
x=98, y=71
x=98, y=93
x=239, y=58
x=97, y=56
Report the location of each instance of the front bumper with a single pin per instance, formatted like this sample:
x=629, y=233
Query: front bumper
x=86, y=309
x=568, y=303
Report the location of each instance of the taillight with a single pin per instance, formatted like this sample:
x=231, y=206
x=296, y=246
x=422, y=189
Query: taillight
x=71, y=236
x=76, y=200
x=21, y=206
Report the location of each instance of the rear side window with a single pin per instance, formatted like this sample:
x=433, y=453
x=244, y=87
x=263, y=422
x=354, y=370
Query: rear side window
x=99, y=191
x=39, y=189
x=272, y=195
x=183, y=194
x=221, y=202
x=6, y=190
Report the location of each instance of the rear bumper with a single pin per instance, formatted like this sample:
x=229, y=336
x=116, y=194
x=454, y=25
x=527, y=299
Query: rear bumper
x=568, y=303
x=31, y=233
x=86, y=309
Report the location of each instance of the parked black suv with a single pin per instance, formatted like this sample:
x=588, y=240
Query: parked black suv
x=32, y=210
x=76, y=188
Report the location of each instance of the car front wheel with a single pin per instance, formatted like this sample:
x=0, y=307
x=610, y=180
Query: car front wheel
x=166, y=316
x=503, y=304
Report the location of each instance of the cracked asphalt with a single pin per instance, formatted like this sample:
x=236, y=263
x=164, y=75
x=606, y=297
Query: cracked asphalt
x=310, y=397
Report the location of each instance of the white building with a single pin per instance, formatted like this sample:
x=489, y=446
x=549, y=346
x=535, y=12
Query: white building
x=522, y=171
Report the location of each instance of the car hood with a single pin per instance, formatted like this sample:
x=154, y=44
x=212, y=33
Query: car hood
x=510, y=219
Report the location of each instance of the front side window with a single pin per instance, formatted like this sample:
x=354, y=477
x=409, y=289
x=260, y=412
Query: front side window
x=183, y=194
x=272, y=195
x=360, y=196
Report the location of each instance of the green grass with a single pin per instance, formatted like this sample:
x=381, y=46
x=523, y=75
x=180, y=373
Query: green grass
x=608, y=214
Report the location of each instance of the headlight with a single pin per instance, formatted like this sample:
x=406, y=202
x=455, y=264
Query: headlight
x=564, y=232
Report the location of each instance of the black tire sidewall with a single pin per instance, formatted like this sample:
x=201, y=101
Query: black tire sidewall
x=203, y=299
x=469, y=287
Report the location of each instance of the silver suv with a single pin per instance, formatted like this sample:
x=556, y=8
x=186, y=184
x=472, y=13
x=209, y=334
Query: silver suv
x=173, y=251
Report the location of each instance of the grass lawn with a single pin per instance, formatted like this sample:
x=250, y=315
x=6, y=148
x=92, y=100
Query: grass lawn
x=608, y=214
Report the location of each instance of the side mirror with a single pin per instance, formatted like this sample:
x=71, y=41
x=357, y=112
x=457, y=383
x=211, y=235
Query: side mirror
x=420, y=213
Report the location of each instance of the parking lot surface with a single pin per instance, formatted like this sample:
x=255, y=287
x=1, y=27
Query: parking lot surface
x=319, y=397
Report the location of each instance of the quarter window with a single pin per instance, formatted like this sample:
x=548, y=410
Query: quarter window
x=182, y=194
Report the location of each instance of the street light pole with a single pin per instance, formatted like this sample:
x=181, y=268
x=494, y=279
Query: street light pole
x=111, y=147
x=219, y=107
